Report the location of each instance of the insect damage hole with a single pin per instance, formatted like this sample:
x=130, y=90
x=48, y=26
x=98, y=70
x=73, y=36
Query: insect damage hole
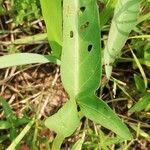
x=90, y=47
x=82, y=9
x=71, y=34
x=84, y=26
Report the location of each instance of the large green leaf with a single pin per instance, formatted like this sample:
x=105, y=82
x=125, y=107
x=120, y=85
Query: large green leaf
x=25, y=58
x=124, y=20
x=81, y=56
x=65, y=121
x=52, y=13
x=99, y=112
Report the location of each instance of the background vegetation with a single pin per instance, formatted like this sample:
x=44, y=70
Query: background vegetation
x=31, y=93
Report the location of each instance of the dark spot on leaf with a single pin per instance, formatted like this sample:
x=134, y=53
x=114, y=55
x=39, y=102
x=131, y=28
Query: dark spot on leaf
x=105, y=108
x=71, y=34
x=82, y=9
x=90, y=47
x=109, y=64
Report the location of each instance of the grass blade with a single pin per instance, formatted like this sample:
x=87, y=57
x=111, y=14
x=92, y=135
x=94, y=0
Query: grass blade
x=27, y=40
x=140, y=68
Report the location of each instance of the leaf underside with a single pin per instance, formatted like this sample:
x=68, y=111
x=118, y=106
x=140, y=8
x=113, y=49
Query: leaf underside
x=124, y=20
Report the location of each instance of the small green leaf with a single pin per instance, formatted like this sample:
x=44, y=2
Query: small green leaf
x=139, y=82
x=141, y=104
x=11, y=118
x=99, y=112
x=4, y=125
x=18, y=122
x=25, y=58
x=8, y=111
x=65, y=121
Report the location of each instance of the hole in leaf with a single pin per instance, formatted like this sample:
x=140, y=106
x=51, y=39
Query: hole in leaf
x=84, y=26
x=82, y=9
x=71, y=34
x=90, y=47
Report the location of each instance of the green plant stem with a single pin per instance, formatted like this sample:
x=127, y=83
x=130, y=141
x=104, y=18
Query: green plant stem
x=57, y=142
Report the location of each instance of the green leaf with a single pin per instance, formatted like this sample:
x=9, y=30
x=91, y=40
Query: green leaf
x=52, y=13
x=141, y=104
x=11, y=118
x=139, y=83
x=65, y=121
x=124, y=20
x=81, y=55
x=8, y=111
x=18, y=122
x=25, y=58
x=99, y=112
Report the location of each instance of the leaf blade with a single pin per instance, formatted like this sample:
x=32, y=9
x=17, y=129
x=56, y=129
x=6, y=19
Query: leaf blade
x=99, y=112
x=25, y=58
x=81, y=56
x=65, y=121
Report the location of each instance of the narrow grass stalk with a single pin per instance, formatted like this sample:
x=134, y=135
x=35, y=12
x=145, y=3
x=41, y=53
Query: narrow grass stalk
x=21, y=135
x=140, y=68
